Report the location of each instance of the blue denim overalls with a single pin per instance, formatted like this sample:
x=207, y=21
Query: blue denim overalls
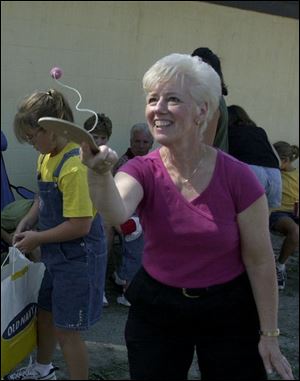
x=132, y=253
x=73, y=284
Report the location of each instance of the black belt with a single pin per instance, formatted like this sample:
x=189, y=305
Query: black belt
x=198, y=292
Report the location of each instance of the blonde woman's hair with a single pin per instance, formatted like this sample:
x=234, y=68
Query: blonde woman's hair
x=37, y=105
x=203, y=81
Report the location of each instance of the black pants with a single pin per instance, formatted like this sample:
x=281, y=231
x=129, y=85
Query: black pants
x=164, y=327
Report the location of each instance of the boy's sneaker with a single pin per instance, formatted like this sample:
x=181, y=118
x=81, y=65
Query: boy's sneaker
x=31, y=373
x=122, y=300
x=105, y=301
x=281, y=278
x=118, y=281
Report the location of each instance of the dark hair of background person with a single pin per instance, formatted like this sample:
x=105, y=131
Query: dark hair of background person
x=104, y=124
x=213, y=60
x=237, y=116
x=286, y=150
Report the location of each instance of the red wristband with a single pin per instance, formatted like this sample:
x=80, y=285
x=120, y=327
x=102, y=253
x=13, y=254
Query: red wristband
x=128, y=227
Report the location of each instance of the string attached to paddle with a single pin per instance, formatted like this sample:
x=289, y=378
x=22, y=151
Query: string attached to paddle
x=56, y=73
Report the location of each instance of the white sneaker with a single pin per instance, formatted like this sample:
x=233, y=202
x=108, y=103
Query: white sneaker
x=105, y=301
x=122, y=300
x=118, y=280
x=31, y=373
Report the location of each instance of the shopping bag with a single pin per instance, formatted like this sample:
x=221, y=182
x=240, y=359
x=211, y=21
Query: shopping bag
x=20, y=283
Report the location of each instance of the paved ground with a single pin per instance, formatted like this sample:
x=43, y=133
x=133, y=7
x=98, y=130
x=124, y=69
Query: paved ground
x=105, y=341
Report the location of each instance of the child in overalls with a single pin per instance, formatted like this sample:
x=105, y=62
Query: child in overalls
x=71, y=236
x=101, y=134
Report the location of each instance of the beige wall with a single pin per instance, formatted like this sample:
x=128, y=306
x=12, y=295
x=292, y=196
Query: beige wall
x=105, y=47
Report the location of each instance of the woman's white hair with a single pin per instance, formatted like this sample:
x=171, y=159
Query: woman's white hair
x=203, y=81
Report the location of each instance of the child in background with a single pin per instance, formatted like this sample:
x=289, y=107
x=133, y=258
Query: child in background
x=101, y=135
x=71, y=236
x=102, y=131
x=285, y=219
x=131, y=233
x=132, y=246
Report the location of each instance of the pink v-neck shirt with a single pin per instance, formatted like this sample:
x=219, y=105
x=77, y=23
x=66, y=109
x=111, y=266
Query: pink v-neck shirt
x=194, y=243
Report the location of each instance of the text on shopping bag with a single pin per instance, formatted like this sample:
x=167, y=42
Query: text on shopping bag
x=20, y=322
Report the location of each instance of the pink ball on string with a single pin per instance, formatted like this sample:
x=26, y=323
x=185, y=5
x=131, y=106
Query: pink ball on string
x=56, y=72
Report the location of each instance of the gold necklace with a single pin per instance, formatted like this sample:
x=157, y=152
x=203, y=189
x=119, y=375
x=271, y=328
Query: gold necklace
x=185, y=181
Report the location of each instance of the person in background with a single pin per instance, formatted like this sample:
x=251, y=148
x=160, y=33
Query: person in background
x=11, y=215
x=102, y=131
x=101, y=134
x=131, y=232
x=12, y=210
x=250, y=144
x=141, y=142
x=217, y=133
x=71, y=237
x=285, y=219
x=208, y=279
x=6, y=193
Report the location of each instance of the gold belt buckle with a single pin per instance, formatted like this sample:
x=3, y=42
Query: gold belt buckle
x=189, y=296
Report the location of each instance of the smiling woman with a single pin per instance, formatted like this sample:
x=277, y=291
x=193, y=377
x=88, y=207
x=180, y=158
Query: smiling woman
x=205, y=260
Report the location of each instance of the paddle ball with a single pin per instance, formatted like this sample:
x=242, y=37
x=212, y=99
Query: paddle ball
x=56, y=72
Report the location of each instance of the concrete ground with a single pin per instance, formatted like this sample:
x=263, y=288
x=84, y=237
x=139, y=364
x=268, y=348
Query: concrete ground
x=106, y=345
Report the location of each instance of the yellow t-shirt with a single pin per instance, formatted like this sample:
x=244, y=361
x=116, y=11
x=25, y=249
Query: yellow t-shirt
x=72, y=182
x=290, y=190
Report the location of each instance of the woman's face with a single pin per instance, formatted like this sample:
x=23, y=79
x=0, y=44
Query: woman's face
x=140, y=143
x=172, y=113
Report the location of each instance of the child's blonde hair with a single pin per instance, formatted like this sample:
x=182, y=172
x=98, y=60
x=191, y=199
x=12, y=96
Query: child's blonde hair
x=37, y=105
